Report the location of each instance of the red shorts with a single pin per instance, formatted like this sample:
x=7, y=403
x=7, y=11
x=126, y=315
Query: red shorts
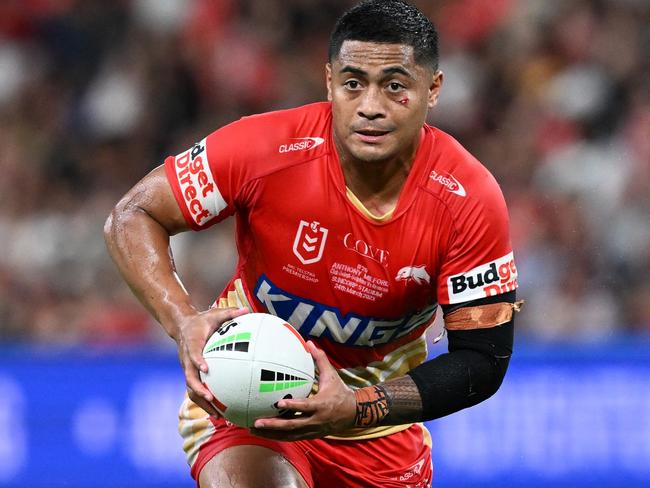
x=397, y=460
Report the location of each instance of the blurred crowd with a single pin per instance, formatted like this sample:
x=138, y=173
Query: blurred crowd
x=553, y=96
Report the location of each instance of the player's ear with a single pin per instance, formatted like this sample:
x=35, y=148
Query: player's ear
x=434, y=88
x=328, y=81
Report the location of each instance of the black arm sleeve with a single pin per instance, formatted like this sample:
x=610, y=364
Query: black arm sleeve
x=472, y=370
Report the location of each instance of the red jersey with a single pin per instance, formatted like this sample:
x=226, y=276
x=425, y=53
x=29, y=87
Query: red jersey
x=364, y=288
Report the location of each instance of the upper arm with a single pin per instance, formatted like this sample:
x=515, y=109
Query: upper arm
x=479, y=261
x=495, y=340
x=153, y=196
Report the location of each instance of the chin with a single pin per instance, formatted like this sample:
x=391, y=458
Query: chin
x=372, y=154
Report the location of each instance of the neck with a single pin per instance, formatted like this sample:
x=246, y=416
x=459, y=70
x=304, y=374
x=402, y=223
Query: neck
x=377, y=184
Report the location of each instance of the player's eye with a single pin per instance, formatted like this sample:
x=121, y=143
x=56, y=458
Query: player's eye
x=352, y=84
x=394, y=86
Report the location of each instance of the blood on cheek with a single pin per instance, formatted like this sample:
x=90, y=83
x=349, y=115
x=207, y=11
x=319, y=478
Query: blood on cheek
x=404, y=101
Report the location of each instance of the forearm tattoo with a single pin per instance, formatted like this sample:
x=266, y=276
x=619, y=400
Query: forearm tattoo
x=405, y=400
x=372, y=406
x=395, y=402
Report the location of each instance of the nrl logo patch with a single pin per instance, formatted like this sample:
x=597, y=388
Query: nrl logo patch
x=310, y=241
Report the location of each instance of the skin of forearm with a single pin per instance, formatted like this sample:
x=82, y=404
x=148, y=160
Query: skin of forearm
x=452, y=381
x=139, y=246
x=405, y=401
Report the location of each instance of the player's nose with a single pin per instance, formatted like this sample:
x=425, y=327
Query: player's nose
x=371, y=105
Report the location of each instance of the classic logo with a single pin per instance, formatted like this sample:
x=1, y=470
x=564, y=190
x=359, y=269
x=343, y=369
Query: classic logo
x=226, y=326
x=413, y=273
x=310, y=241
x=202, y=197
x=283, y=411
x=449, y=182
x=362, y=247
x=303, y=144
x=486, y=280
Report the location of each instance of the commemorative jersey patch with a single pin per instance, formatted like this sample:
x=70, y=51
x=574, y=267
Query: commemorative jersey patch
x=200, y=193
x=489, y=279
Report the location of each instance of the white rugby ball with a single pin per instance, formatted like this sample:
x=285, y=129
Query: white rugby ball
x=254, y=361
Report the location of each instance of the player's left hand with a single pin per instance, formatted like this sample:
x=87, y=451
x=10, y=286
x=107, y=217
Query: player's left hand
x=329, y=411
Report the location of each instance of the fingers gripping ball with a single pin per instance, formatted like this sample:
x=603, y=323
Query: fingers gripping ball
x=254, y=361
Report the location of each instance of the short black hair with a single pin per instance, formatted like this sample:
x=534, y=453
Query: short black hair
x=391, y=22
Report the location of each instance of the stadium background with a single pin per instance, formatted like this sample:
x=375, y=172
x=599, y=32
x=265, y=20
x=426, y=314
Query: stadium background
x=552, y=95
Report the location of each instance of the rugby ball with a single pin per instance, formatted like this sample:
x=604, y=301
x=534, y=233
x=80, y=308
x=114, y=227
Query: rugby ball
x=254, y=361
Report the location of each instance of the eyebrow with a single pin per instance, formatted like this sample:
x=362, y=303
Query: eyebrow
x=386, y=71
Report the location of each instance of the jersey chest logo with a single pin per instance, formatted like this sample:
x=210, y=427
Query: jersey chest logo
x=313, y=319
x=418, y=274
x=309, y=243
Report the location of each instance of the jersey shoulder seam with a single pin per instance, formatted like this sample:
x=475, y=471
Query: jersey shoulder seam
x=444, y=204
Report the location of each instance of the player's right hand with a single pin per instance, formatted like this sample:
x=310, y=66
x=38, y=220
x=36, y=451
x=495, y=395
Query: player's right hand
x=193, y=333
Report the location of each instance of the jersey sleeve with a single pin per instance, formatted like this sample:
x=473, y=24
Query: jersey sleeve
x=208, y=180
x=479, y=261
x=197, y=180
x=211, y=180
